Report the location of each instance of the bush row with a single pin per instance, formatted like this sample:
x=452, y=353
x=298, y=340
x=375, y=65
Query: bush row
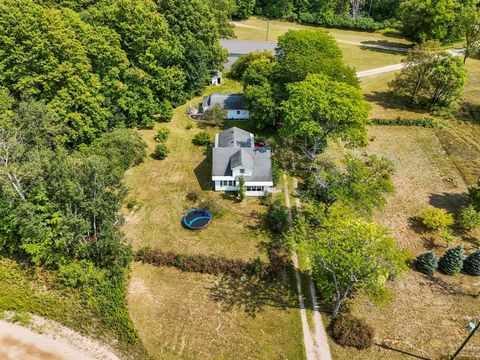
x=344, y=21
x=161, y=151
x=399, y=121
x=203, y=264
x=451, y=263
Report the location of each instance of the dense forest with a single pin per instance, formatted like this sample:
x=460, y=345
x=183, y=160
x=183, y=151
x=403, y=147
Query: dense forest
x=76, y=79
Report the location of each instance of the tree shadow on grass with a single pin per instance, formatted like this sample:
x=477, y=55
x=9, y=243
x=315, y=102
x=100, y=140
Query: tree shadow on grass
x=469, y=111
x=252, y=294
x=448, y=201
x=407, y=353
x=390, y=100
x=393, y=44
x=447, y=288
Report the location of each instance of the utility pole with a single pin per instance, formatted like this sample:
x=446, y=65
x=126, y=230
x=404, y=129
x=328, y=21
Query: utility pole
x=268, y=29
x=466, y=340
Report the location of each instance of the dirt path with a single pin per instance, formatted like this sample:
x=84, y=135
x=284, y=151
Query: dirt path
x=55, y=342
x=316, y=344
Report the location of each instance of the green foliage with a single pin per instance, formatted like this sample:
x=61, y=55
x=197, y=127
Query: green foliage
x=165, y=111
x=242, y=189
x=427, y=263
x=348, y=330
x=361, y=185
x=261, y=104
x=474, y=196
x=276, y=218
x=313, y=114
x=424, y=20
x=451, y=262
x=468, y=22
x=161, y=151
x=435, y=219
x=430, y=78
x=469, y=218
x=243, y=62
x=202, y=139
x=258, y=72
x=276, y=172
x=472, y=263
x=212, y=205
x=162, y=135
x=215, y=114
x=244, y=9
x=124, y=148
x=80, y=273
x=304, y=52
x=399, y=121
x=347, y=255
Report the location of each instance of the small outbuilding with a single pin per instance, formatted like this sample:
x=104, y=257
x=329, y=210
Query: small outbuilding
x=232, y=103
x=216, y=78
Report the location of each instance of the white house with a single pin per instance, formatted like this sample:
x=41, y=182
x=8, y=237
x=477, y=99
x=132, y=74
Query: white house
x=233, y=103
x=234, y=156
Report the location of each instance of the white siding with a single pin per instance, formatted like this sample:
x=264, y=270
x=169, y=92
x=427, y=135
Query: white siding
x=237, y=114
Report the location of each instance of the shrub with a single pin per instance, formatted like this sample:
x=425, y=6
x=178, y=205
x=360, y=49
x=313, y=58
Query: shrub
x=276, y=172
x=162, y=135
x=427, y=263
x=469, y=218
x=451, y=262
x=193, y=196
x=276, y=218
x=472, y=263
x=189, y=126
x=166, y=111
x=350, y=331
x=80, y=273
x=435, y=219
x=242, y=190
x=213, y=206
x=161, y=151
x=202, y=139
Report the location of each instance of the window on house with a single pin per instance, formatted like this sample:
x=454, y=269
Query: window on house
x=238, y=112
x=224, y=183
x=242, y=171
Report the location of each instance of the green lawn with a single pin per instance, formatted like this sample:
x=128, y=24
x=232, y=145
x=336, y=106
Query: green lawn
x=187, y=315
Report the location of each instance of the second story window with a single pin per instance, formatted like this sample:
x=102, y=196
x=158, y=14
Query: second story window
x=242, y=171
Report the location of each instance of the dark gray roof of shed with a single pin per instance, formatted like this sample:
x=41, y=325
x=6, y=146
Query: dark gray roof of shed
x=234, y=137
x=226, y=101
x=261, y=163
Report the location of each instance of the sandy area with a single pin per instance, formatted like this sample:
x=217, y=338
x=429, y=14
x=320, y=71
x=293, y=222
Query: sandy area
x=55, y=343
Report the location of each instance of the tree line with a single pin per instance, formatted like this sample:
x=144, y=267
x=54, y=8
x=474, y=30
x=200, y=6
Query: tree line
x=446, y=21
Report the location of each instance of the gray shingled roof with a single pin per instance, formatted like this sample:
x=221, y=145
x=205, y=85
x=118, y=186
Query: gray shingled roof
x=261, y=162
x=241, y=158
x=240, y=47
x=226, y=101
x=234, y=137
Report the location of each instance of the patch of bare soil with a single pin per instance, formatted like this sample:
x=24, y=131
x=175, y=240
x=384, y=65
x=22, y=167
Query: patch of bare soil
x=50, y=341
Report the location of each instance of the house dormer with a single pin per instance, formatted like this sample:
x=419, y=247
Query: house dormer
x=241, y=164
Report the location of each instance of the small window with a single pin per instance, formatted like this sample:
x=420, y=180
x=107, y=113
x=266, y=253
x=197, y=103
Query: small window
x=242, y=171
x=238, y=112
x=225, y=183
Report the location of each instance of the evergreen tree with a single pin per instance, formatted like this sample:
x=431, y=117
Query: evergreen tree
x=472, y=263
x=451, y=262
x=427, y=263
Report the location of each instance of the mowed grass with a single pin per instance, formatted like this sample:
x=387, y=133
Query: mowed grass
x=359, y=57
x=193, y=316
x=427, y=316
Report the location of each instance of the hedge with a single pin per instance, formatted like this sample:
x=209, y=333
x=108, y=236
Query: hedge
x=399, y=121
x=203, y=264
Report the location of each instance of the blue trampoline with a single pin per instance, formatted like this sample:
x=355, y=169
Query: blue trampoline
x=197, y=219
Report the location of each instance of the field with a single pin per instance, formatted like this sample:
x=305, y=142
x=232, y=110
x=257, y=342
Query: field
x=176, y=312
